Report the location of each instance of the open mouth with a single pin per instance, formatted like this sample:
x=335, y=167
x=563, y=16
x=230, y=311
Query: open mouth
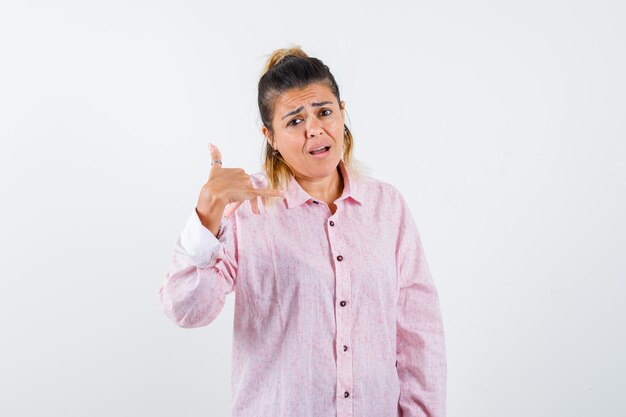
x=320, y=150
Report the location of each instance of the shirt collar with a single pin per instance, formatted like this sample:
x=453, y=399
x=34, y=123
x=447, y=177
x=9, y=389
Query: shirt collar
x=296, y=196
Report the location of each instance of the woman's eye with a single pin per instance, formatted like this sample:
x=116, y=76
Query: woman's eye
x=296, y=121
x=292, y=122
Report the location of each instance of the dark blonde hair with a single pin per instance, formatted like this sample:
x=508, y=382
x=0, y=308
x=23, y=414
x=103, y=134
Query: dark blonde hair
x=288, y=68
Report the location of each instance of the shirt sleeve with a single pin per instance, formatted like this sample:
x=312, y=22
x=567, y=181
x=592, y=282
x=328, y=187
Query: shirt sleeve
x=421, y=357
x=202, y=271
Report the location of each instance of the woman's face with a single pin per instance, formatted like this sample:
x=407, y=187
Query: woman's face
x=304, y=120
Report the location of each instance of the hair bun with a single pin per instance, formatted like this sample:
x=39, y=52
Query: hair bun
x=279, y=54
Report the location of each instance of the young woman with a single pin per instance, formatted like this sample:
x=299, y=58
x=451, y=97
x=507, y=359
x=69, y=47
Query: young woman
x=336, y=312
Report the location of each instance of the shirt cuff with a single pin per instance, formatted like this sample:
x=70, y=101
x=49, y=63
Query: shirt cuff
x=197, y=241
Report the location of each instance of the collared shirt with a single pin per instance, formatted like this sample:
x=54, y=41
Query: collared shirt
x=335, y=314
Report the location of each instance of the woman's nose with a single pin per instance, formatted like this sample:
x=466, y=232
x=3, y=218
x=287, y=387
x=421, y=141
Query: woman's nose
x=314, y=127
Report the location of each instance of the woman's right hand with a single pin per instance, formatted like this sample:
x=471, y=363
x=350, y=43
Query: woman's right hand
x=225, y=186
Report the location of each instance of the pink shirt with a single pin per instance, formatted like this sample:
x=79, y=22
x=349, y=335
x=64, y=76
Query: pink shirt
x=335, y=315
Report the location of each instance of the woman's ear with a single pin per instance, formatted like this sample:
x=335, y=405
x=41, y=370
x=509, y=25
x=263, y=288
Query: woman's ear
x=267, y=136
x=342, y=106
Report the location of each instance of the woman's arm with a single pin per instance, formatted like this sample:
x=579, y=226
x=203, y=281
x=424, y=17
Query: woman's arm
x=204, y=266
x=201, y=273
x=421, y=352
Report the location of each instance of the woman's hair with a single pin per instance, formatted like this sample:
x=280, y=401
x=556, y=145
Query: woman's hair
x=285, y=69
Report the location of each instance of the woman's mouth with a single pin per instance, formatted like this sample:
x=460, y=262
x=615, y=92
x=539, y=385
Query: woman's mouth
x=320, y=152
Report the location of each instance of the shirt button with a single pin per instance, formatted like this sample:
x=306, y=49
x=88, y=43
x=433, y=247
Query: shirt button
x=346, y=394
x=332, y=223
x=345, y=348
x=340, y=258
x=315, y=202
x=343, y=303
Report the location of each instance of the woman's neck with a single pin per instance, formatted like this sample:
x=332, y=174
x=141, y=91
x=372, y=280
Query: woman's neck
x=326, y=189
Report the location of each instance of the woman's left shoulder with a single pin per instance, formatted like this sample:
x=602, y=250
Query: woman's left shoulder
x=380, y=189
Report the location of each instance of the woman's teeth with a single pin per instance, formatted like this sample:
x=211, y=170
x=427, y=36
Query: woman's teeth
x=319, y=150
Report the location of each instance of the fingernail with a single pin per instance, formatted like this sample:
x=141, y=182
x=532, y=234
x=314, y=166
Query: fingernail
x=211, y=146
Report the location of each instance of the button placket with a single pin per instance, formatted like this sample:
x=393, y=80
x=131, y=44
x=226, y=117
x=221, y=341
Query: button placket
x=343, y=292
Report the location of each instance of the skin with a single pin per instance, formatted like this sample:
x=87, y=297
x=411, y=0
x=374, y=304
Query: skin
x=293, y=136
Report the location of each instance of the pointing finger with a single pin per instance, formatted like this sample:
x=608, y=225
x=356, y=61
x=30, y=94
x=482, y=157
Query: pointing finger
x=262, y=192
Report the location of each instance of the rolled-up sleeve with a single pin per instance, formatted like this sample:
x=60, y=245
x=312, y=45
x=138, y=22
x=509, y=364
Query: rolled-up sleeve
x=202, y=271
x=421, y=356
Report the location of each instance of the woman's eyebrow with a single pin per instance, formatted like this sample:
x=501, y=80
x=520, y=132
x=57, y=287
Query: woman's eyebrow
x=299, y=109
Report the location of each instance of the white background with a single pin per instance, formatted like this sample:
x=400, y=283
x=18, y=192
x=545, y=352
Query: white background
x=502, y=122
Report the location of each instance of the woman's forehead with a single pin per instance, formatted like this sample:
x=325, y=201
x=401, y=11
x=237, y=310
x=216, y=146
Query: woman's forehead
x=307, y=95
